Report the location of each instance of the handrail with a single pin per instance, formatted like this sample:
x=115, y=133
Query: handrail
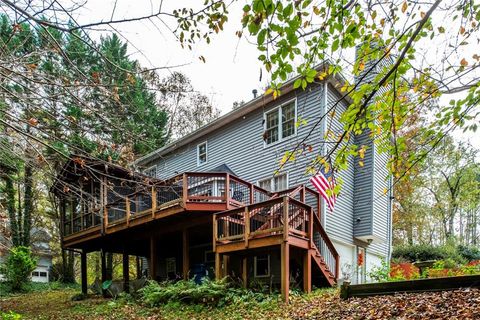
x=318, y=226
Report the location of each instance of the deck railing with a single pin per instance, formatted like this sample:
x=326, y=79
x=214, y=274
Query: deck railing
x=125, y=203
x=280, y=215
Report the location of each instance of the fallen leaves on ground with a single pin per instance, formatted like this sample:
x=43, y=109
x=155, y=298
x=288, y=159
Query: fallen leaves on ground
x=322, y=304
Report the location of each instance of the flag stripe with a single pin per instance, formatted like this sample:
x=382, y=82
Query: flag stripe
x=322, y=184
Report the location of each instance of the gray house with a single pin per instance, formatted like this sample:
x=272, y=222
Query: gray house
x=250, y=141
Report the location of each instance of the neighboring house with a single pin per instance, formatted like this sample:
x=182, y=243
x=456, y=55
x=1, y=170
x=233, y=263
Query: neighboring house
x=40, y=249
x=215, y=206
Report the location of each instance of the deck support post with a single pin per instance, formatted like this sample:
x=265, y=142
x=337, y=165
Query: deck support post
x=83, y=268
x=307, y=272
x=153, y=258
x=186, y=257
x=126, y=273
x=103, y=266
x=245, y=272
x=138, y=267
x=218, y=266
x=285, y=270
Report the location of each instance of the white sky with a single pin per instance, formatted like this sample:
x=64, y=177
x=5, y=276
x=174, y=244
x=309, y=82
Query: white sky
x=231, y=70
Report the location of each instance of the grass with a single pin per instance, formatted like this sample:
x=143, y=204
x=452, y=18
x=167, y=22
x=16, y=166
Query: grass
x=56, y=303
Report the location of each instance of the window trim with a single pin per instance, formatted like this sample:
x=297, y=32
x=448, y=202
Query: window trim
x=198, y=153
x=272, y=179
x=269, y=269
x=280, y=122
x=151, y=168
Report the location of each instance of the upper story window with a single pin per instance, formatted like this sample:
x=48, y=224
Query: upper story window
x=277, y=183
x=280, y=122
x=151, y=172
x=202, y=153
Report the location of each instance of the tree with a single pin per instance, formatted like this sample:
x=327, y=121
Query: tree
x=188, y=109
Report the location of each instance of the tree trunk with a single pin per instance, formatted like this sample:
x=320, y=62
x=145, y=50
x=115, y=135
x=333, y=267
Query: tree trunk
x=28, y=204
x=10, y=195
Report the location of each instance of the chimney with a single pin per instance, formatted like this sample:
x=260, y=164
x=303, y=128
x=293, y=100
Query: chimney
x=254, y=91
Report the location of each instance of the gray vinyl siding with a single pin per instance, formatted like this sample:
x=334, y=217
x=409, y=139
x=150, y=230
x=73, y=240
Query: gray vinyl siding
x=240, y=145
x=363, y=186
x=339, y=223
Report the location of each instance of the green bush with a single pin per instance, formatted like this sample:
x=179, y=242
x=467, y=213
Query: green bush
x=18, y=267
x=469, y=253
x=9, y=316
x=209, y=292
x=426, y=252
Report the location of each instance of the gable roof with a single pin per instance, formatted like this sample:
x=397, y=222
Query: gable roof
x=223, y=168
x=256, y=103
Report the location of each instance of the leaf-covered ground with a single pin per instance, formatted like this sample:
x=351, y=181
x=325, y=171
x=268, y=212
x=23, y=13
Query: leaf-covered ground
x=56, y=304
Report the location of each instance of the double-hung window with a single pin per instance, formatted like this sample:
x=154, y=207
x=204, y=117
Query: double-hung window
x=280, y=122
x=202, y=153
x=276, y=183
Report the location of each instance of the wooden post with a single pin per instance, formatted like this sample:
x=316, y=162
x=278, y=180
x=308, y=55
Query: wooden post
x=252, y=193
x=185, y=188
x=154, y=201
x=226, y=260
x=307, y=272
x=302, y=194
x=285, y=219
x=153, y=258
x=126, y=273
x=310, y=228
x=127, y=207
x=103, y=266
x=138, y=266
x=186, y=257
x=285, y=270
x=247, y=225
x=215, y=232
x=245, y=272
x=83, y=267
x=227, y=189
x=337, y=266
x=218, y=266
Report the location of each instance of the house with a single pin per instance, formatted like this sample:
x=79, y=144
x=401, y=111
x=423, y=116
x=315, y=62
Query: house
x=212, y=201
x=40, y=249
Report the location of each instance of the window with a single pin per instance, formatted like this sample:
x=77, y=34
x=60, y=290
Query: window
x=262, y=265
x=277, y=183
x=201, y=153
x=35, y=274
x=280, y=122
x=43, y=274
x=151, y=172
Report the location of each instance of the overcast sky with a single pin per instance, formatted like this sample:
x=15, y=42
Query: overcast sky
x=232, y=69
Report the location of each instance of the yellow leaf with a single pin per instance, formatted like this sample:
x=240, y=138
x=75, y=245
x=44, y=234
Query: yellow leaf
x=361, y=66
x=422, y=14
x=385, y=191
x=404, y=6
x=360, y=163
x=268, y=91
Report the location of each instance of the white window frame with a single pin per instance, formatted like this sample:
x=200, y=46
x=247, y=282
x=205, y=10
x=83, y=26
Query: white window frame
x=198, y=153
x=149, y=169
x=268, y=269
x=272, y=181
x=280, y=122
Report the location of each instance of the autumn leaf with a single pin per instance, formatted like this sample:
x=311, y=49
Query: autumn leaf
x=464, y=62
x=404, y=6
x=33, y=122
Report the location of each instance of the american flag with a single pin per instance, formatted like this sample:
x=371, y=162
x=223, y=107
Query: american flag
x=324, y=181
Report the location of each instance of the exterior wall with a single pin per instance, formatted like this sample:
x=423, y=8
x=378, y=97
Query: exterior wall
x=240, y=145
x=42, y=271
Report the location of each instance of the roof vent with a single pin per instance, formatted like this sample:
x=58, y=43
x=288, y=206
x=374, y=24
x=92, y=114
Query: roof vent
x=254, y=91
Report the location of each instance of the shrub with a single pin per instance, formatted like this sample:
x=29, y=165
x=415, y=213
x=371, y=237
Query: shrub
x=9, y=316
x=469, y=253
x=380, y=273
x=18, y=267
x=423, y=252
x=404, y=271
x=187, y=291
